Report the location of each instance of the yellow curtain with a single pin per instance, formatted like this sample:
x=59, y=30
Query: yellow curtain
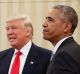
x=37, y=10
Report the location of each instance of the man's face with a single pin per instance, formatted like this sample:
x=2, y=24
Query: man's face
x=16, y=33
x=53, y=26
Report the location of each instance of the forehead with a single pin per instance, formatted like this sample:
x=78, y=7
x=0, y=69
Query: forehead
x=54, y=12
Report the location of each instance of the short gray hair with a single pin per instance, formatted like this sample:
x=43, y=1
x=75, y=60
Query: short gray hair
x=69, y=13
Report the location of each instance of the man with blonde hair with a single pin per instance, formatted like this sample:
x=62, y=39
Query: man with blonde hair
x=24, y=57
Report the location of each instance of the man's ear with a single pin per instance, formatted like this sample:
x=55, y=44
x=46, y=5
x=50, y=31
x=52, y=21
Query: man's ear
x=27, y=32
x=68, y=27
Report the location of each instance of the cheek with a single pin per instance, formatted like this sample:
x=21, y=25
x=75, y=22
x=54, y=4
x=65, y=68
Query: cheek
x=19, y=35
x=53, y=30
x=22, y=35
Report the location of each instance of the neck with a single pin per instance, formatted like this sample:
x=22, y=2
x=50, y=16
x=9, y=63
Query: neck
x=57, y=39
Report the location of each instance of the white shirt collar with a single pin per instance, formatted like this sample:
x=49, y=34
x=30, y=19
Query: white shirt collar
x=58, y=44
x=25, y=49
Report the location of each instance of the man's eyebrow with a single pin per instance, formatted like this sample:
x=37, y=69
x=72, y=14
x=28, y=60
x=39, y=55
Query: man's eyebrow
x=48, y=17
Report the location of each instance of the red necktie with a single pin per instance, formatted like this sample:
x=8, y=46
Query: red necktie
x=16, y=64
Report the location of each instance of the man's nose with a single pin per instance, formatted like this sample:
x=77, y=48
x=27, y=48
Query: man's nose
x=45, y=24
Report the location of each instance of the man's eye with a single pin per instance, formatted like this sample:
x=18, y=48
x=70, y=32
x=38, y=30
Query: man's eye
x=49, y=19
x=14, y=27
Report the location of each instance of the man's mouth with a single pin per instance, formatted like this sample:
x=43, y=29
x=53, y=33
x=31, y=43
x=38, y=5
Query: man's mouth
x=11, y=39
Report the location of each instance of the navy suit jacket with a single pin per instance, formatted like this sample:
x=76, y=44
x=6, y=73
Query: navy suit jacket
x=67, y=59
x=38, y=55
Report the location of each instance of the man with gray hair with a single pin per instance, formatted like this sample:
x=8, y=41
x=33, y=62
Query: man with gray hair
x=58, y=27
x=24, y=57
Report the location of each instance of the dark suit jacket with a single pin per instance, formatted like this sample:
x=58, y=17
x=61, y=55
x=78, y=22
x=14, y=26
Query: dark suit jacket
x=38, y=55
x=67, y=59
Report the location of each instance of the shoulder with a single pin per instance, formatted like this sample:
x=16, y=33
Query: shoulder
x=40, y=52
x=71, y=47
x=5, y=52
x=41, y=49
x=73, y=50
x=70, y=52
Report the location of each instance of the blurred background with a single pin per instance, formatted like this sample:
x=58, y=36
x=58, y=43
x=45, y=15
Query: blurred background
x=37, y=10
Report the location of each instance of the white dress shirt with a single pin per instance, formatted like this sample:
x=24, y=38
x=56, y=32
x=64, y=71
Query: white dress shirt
x=25, y=50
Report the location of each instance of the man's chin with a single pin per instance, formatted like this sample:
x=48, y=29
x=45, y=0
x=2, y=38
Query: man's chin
x=12, y=44
x=45, y=38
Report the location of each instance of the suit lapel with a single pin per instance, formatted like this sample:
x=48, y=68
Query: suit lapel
x=8, y=57
x=31, y=61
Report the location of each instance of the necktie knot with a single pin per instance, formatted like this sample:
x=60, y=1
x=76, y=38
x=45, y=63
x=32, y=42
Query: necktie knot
x=18, y=53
